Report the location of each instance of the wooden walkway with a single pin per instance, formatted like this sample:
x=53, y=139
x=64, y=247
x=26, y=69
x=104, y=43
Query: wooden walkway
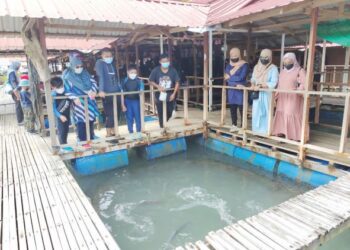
x=42, y=206
x=303, y=222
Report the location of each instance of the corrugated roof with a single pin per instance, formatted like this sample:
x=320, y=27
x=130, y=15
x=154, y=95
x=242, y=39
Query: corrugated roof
x=14, y=42
x=251, y=7
x=129, y=12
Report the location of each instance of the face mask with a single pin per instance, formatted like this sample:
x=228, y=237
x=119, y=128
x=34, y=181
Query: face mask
x=108, y=60
x=289, y=66
x=264, y=61
x=132, y=76
x=234, y=60
x=165, y=65
x=60, y=90
x=78, y=70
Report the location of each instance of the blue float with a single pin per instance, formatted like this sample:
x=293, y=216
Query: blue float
x=265, y=162
x=165, y=148
x=101, y=162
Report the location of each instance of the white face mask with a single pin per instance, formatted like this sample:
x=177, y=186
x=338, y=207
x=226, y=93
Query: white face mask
x=60, y=90
x=132, y=76
x=78, y=70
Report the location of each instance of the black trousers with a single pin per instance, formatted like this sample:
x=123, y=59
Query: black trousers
x=169, y=110
x=108, y=110
x=234, y=109
x=19, y=110
x=62, y=130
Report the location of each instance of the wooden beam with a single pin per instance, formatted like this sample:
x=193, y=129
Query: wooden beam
x=205, y=75
x=88, y=28
x=309, y=81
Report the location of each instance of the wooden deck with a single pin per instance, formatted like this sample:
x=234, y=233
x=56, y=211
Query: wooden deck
x=303, y=222
x=42, y=205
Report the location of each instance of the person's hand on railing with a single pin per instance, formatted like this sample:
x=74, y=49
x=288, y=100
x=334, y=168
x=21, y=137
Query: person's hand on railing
x=92, y=95
x=102, y=94
x=77, y=101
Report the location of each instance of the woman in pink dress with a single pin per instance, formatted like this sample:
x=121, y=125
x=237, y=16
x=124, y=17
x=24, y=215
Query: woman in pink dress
x=289, y=110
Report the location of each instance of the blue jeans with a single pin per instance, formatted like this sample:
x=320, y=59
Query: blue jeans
x=133, y=113
x=81, y=128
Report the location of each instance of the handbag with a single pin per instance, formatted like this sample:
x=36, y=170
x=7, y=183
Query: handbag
x=254, y=95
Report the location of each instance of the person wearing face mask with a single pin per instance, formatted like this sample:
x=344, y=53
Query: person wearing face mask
x=79, y=82
x=61, y=107
x=265, y=75
x=235, y=75
x=289, y=110
x=131, y=102
x=108, y=81
x=13, y=82
x=165, y=77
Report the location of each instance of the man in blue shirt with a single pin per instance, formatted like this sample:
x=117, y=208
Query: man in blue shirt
x=108, y=81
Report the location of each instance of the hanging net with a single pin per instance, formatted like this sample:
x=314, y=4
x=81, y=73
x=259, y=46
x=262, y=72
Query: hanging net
x=337, y=31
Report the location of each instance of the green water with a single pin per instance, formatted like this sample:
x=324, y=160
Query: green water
x=166, y=202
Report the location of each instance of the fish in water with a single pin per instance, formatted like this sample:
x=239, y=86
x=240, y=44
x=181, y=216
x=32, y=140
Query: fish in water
x=176, y=232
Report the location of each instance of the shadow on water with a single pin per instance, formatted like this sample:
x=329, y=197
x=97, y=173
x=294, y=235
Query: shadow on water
x=166, y=202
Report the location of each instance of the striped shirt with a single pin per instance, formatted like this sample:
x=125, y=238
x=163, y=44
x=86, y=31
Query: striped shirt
x=79, y=110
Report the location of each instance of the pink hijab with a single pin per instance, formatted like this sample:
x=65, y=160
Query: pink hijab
x=292, y=57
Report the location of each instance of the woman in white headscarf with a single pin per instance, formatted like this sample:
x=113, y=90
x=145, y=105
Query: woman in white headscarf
x=265, y=75
x=13, y=81
x=289, y=110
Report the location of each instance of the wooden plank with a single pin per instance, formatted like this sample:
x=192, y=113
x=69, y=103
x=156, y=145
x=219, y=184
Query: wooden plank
x=234, y=232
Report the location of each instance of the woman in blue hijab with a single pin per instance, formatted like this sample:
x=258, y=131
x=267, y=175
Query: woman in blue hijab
x=79, y=82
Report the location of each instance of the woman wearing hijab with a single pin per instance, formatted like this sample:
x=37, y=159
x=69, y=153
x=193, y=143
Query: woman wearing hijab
x=13, y=81
x=265, y=75
x=289, y=110
x=235, y=74
x=79, y=82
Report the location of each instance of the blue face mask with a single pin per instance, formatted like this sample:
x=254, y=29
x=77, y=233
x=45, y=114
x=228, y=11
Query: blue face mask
x=108, y=60
x=165, y=65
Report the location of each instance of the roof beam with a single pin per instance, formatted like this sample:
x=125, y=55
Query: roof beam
x=88, y=28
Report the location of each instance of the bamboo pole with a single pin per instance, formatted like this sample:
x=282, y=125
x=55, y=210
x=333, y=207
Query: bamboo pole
x=115, y=116
x=205, y=75
x=87, y=120
x=345, y=125
x=309, y=81
x=186, y=122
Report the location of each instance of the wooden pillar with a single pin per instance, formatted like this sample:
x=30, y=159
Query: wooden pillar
x=186, y=106
x=117, y=60
x=195, y=73
x=161, y=47
x=306, y=51
x=323, y=63
x=282, y=49
x=320, y=84
x=44, y=74
x=137, y=57
x=210, y=70
x=309, y=81
x=205, y=75
x=346, y=68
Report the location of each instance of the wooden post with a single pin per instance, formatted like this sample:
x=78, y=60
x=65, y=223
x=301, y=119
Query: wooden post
x=282, y=50
x=309, y=81
x=346, y=68
x=87, y=119
x=165, y=120
x=196, y=82
x=223, y=106
x=244, y=117
x=161, y=47
x=205, y=75
x=117, y=60
x=137, y=57
x=306, y=51
x=33, y=35
x=153, y=103
x=186, y=106
x=345, y=125
x=270, y=116
x=115, y=116
x=320, y=84
x=210, y=70
x=142, y=110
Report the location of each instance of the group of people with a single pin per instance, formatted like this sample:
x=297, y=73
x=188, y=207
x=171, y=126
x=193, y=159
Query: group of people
x=76, y=82
x=287, y=121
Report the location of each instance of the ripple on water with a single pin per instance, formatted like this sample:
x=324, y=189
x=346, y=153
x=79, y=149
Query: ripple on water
x=198, y=196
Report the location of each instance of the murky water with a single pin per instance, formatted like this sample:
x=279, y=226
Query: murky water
x=166, y=202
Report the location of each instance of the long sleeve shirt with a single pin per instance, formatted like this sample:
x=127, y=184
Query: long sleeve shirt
x=107, y=77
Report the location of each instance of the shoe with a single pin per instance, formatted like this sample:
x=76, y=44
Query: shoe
x=173, y=115
x=234, y=128
x=32, y=131
x=20, y=124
